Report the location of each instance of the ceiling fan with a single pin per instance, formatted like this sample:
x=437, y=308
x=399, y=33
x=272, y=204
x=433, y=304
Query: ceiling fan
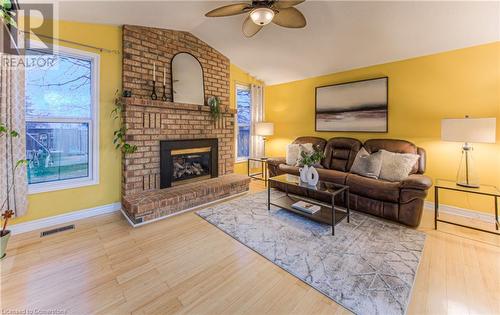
x=263, y=12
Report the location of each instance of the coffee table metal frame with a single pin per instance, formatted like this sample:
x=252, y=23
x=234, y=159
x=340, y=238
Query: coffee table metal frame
x=285, y=202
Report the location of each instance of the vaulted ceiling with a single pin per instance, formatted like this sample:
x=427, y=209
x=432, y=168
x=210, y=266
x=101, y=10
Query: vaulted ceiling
x=340, y=35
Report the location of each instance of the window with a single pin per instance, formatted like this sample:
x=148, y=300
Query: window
x=61, y=119
x=243, y=121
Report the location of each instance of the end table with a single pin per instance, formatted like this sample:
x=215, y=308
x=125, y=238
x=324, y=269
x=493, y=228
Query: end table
x=262, y=175
x=485, y=190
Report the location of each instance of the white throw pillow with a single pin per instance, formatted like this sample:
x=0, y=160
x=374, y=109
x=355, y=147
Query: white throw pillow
x=397, y=166
x=293, y=152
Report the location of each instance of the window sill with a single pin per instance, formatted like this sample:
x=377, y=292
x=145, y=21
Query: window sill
x=241, y=160
x=60, y=185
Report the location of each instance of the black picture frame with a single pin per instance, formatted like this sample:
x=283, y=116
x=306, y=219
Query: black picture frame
x=347, y=83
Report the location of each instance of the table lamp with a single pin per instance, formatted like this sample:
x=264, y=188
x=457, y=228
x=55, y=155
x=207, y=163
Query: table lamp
x=264, y=129
x=468, y=130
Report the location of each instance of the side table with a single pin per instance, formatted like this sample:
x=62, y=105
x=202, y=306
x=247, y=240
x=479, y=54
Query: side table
x=262, y=175
x=485, y=190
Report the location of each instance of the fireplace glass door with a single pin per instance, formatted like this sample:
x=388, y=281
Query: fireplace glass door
x=190, y=165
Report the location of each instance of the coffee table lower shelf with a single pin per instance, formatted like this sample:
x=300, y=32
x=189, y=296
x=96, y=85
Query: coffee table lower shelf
x=325, y=215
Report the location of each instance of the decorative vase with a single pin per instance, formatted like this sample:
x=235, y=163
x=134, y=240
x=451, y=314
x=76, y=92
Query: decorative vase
x=312, y=176
x=3, y=243
x=303, y=173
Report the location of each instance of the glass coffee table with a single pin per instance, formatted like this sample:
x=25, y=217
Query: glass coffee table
x=329, y=213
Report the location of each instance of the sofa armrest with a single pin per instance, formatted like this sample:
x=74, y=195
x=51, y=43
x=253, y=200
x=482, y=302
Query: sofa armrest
x=273, y=165
x=417, y=181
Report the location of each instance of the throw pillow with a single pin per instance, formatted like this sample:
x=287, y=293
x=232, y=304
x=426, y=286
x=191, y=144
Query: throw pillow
x=307, y=148
x=366, y=164
x=292, y=154
x=397, y=166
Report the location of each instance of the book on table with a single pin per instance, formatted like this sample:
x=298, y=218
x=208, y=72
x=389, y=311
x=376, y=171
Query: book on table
x=306, y=207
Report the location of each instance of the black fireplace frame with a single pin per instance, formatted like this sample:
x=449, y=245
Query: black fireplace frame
x=166, y=159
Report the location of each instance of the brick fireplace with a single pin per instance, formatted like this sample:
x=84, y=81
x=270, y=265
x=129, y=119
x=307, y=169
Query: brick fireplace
x=151, y=122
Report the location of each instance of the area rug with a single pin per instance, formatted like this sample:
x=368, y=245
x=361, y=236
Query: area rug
x=369, y=266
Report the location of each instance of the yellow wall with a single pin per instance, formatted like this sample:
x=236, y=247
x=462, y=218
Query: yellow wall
x=239, y=76
x=108, y=190
x=422, y=91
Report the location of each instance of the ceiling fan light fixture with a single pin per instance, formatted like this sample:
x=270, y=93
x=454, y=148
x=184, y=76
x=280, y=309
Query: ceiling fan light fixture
x=262, y=16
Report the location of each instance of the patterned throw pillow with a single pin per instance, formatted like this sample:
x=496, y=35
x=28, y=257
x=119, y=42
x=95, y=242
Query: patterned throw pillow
x=366, y=164
x=293, y=152
x=397, y=166
x=305, y=147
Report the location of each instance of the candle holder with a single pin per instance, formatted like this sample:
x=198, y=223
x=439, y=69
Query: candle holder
x=153, y=95
x=164, y=96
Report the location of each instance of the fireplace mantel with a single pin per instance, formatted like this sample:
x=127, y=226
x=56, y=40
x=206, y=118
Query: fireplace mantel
x=135, y=101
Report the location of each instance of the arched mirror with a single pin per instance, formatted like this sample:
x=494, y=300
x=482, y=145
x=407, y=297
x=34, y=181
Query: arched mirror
x=187, y=80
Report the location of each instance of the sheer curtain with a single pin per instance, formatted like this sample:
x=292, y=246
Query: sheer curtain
x=13, y=149
x=256, y=142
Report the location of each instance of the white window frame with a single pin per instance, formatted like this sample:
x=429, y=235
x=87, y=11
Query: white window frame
x=93, y=123
x=241, y=87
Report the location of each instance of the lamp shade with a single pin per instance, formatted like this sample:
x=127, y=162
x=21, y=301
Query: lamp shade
x=264, y=129
x=474, y=130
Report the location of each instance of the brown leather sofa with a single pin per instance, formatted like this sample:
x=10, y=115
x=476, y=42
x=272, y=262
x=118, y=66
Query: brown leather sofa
x=398, y=201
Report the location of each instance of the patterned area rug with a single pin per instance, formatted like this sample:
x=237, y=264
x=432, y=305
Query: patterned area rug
x=369, y=266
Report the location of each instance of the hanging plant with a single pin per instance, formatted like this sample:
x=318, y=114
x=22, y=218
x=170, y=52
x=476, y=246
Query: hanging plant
x=119, y=134
x=7, y=13
x=214, y=103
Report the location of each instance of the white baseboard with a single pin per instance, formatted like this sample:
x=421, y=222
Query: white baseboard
x=467, y=213
x=64, y=218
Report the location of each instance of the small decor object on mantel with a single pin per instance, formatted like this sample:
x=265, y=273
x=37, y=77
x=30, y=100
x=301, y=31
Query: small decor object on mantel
x=153, y=94
x=164, y=96
x=308, y=173
x=214, y=103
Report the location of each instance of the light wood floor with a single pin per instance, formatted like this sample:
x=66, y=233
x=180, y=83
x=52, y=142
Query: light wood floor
x=185, y=265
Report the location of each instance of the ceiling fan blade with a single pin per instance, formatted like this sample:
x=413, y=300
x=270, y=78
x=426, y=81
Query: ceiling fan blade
x=227, y=10
x=249, y=28
x=283, y=4
x=290, y=17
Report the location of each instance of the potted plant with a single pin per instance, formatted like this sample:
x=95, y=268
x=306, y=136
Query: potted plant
x=214, y=103
x=7, y=214
x=4, y=233
x=308, y=173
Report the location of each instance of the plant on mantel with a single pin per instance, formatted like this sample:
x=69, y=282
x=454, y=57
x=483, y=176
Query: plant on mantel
x=8, y=213
x=214, y=104
x=119, y=135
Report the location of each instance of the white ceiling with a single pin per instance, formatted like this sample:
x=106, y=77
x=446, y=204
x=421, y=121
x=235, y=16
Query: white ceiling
x=340, y=35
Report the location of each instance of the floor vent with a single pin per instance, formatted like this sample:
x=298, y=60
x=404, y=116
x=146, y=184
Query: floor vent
x=57, y=230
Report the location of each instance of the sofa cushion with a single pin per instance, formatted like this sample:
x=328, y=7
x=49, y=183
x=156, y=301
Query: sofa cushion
x=373, y=188
x=340, y=153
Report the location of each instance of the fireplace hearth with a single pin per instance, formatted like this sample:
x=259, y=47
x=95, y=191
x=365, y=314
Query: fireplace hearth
x=185, y=161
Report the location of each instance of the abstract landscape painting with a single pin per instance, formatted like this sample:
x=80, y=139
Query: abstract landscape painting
x=353, y=106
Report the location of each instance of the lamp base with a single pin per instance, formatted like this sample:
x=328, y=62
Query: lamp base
x=468, y=185
x=466, y=177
